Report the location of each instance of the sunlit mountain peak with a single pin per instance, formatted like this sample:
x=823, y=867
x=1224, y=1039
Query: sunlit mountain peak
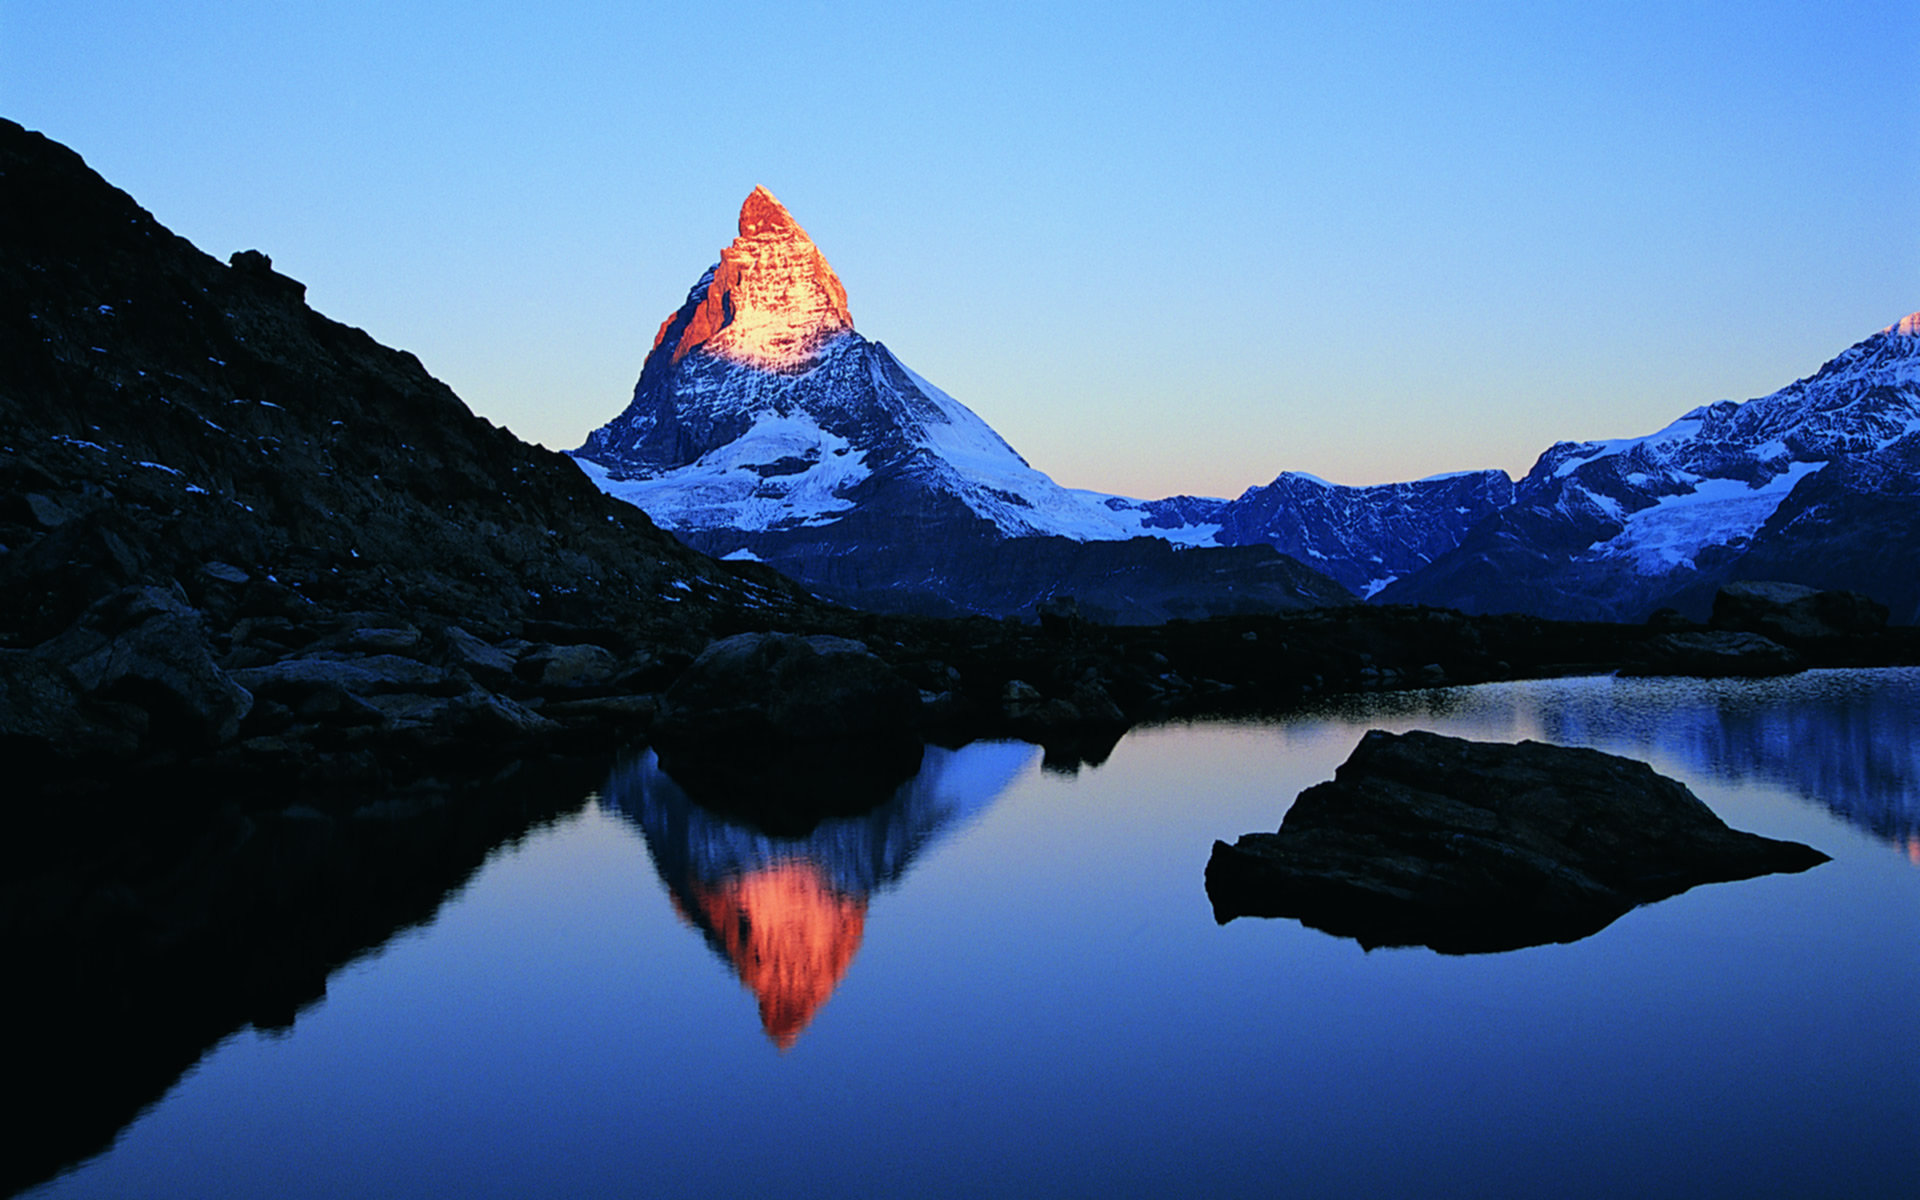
x=771, y=300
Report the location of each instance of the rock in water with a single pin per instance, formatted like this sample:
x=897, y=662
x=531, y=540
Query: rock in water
x=1470, y=847
x=781, y=686
x=786, y=730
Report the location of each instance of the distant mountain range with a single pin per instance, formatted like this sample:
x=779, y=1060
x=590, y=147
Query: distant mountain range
x=1818, y=484
x=764, y=427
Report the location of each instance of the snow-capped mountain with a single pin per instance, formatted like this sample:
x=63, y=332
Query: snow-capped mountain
x=761, y=409
x=1365, y=537
x=1818, y=483
x=764, y=426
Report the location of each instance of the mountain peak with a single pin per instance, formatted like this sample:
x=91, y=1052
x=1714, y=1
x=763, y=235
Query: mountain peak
x=761, y=214
x=1907, y=326
x=772, y=300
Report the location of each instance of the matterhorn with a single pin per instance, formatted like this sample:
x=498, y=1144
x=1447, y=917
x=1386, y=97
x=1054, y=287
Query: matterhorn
x=765, y=427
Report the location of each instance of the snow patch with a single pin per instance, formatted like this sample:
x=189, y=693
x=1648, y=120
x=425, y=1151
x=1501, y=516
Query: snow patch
x=736, y=486
x=1667, y=535
x=1680, y=430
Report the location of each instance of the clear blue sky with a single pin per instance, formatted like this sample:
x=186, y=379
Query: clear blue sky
x=1160, y=247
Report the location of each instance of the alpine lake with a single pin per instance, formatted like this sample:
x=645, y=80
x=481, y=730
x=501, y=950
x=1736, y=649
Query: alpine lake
x=1009, y=981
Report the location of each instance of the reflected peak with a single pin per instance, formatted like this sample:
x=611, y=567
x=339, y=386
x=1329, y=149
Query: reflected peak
x=789, y=934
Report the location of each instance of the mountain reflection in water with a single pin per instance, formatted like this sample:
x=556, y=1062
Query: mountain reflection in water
x=1849, y=740
x=1839, y=737
x=788, y=913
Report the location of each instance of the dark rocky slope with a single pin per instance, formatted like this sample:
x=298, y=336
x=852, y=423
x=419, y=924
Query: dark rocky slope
x=202, y=477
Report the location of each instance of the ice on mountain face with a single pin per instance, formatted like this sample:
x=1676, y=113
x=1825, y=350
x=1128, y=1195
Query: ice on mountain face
x=1611, y=530
x=760, y=409
x=1584, y=453
x=784, y=471
x=1668, y=534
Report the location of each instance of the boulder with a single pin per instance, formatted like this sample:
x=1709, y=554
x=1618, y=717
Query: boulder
x=575, y=666
x=44, y=715
x=1469, y=847
x=1713, y=655
x=482, y=714
x=144, y=646
x=785, y=730
x=293, y=679
x=788, y=688
x=1796, y=613
x=486, y=662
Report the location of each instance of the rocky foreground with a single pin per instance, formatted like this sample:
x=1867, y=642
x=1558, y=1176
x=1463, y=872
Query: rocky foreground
x=1470, y=847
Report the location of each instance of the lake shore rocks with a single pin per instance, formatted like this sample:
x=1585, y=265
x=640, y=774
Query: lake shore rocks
x=1714, y=654
x=1790, y=612
x=1471, y=847
x=787, y=730
x=787, y=687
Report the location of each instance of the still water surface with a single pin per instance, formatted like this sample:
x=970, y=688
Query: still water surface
x=1009, y=982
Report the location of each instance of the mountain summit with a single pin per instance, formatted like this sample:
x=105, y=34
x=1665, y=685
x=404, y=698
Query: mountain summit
x=771, y=301
x=764, y=427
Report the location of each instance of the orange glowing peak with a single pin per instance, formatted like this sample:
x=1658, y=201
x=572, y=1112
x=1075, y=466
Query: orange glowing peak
x=790, y=935
x=773, y=301
x=1908, y=326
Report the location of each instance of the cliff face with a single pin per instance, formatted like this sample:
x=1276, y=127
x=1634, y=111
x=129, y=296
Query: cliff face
x=772, y=300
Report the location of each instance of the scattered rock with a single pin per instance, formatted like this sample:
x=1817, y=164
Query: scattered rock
x=1787, y=610
x=582, y=665
x=482, y=714
x=1469, y=847
x=380, y=641
x=145, y=647
x=1091, y=698
x=1670, y=620
x=367, y=675
x=778, y=685
x=627, y=712
x=1713, y=655
x=45, y=715
x=487, y=663
x=47, y=512
x=1019, y=691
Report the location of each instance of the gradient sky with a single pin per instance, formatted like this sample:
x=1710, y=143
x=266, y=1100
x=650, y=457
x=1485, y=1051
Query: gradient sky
x=1161, y=248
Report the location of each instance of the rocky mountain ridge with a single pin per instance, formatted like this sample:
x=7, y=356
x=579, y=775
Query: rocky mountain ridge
x=830, y=459
x=764, y=427
x=1816, y=484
